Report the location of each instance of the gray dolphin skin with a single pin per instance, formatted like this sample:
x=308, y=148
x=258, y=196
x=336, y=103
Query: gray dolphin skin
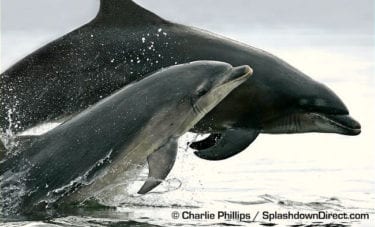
x=125, y=43
x=143, y=120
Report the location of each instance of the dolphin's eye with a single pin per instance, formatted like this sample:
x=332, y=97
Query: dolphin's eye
x=202, y=91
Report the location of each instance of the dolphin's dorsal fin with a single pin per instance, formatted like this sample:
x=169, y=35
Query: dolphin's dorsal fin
x=125, y=12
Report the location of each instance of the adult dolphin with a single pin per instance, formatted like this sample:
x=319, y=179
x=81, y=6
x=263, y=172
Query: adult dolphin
x=93, y=148
x=126, y=42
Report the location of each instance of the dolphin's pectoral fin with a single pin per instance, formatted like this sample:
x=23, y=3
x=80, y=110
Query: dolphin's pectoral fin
x=208, y=142
x=232, y=142
x=160, y=164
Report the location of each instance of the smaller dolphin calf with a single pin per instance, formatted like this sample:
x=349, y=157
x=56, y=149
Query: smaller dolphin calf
x=143, y=120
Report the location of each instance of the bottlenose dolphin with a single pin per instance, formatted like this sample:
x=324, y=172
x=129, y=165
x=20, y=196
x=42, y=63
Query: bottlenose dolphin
x=137, y=122
x=125, y=42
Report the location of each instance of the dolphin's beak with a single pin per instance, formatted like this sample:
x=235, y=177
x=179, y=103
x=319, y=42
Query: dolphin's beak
x=319, y=111
x=238, y=73
x=244, y=70
x=329, y=112
x=345, y=124
x=302, y=122
x=231, y=78
x=241, y=71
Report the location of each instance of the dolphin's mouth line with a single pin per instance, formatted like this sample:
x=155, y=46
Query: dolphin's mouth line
x=340, y=120
x=333, y=122
x=304, y=122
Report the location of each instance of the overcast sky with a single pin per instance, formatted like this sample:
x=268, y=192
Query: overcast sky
x=350, y=16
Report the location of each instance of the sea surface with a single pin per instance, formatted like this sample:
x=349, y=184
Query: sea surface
x=325, y=174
